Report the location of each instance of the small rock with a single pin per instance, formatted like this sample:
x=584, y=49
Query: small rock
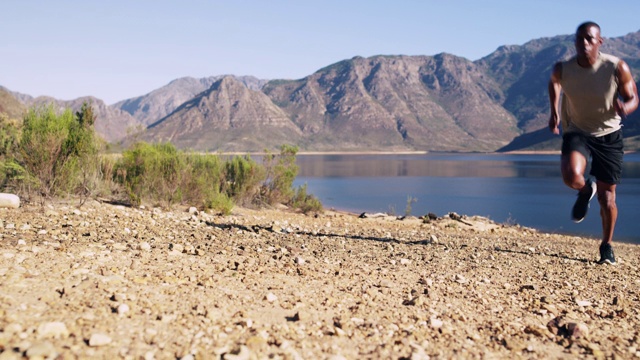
x=435, y=323
x=583, y=303
x=55, y=330
x=577, y=330
x=144, y=246
x=242, y=354
x=270, y=297
x=44, y=350
x=99, y=339
x=300, y=316
x=123, y=309
x=10, y=201
x=176, y=247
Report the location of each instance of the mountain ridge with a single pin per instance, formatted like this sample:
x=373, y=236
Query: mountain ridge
x=383, y=103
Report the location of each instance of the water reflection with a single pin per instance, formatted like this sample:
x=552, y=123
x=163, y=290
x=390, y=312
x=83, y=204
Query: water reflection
x=420, y=165
x=441, y=165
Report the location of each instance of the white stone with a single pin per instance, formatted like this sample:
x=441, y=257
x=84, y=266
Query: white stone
x=10, y=201
x=43, y=350
x=123, y=309
x=145, y=246
x=56, y=330
x=270, y=297
x=583, y=303
x=436, y=323
x=99, y=339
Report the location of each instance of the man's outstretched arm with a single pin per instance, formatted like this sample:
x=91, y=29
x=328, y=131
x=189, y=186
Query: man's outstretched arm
x=554, y=97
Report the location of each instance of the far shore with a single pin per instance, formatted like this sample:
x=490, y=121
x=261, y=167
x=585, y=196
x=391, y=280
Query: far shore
x=403, y=152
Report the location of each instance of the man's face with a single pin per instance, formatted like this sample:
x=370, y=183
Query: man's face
x=588, y=42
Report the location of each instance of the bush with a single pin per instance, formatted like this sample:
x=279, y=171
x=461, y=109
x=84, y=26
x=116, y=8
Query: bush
x=305, y=202
x=54, y=148
x=161, y=173
x=151, y=172
x=11, y=173
x=242, y=178
x=280, y=171
x=205, y=183
x=59, y=154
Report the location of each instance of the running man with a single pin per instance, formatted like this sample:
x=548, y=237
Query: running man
x=598, y=94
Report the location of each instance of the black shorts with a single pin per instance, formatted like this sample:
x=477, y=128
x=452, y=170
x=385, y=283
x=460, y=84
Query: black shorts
x=605, y=152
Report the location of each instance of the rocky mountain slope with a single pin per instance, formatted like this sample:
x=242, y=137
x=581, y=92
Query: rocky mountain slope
x=149, y=108
x=228, y=116
x=10, y=106
x=433, y=103
x=402, y=102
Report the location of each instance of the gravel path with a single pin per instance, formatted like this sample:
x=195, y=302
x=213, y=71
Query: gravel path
x=108, y=282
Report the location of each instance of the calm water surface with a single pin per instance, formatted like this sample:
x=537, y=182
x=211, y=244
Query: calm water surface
x=522, y=189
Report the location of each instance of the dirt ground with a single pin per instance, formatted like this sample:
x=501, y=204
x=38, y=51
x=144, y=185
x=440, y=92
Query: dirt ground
x=107, y=282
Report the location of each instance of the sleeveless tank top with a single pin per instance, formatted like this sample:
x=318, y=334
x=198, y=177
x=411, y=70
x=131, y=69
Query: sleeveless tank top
x=589, y=95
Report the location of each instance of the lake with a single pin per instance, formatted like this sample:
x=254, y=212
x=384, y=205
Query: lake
x=507, y=188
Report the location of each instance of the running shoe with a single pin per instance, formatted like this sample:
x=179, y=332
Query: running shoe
x=606, y=255
x=581, y=206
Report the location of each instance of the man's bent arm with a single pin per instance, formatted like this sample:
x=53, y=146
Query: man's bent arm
x=627, y=90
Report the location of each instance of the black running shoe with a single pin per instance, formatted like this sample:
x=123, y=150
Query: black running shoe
x=606, y=255
x=582, y=203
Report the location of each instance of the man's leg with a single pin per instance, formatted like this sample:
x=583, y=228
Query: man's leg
x=572, y=166
x=608, y=210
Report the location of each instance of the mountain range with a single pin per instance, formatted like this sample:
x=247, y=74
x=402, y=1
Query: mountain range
x=380, y=103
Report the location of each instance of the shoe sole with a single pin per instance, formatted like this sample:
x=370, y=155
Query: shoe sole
x=594, y=190
x=608, y=262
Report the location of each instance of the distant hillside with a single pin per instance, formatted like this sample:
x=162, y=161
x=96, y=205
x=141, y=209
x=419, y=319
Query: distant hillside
x=229, y=116
x=10, y=106
x=434, y=103
x=111, y=123
x=396, y=102
x=157, y=104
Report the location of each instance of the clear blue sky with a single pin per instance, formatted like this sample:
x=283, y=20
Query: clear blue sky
x=118, y=49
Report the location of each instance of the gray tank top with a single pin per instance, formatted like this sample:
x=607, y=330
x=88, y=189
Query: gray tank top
x=589, y=95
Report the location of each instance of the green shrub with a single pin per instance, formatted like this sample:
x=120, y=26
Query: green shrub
x=9, y=137
x=281, y=171
x=160, y=173
x=205, y=182
x=152, y=172
x=58, y=153
x=53, y=148
x=305, y=202
x=242, y=178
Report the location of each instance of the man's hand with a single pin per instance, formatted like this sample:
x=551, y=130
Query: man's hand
x=553, y=124
x=620, y=110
